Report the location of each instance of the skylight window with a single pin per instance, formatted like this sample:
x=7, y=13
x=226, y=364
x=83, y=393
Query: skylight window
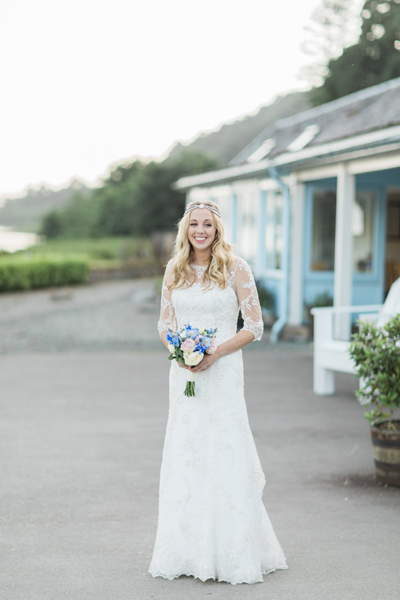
x=262, y=151
x=304, y=138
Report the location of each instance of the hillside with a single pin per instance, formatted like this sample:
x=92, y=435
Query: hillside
x=25, y=213
x=223, y=145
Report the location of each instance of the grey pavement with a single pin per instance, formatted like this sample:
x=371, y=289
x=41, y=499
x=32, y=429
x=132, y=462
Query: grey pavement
x=112, y=316
x=81, y=435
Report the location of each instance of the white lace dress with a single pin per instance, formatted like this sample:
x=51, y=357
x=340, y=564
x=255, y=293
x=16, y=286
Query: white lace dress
x=212, y=522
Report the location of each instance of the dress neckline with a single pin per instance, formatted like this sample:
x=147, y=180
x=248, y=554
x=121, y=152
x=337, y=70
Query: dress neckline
x=199, y=270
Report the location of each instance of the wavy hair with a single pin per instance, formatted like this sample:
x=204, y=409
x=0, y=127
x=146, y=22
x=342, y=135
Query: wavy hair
x=221, y=255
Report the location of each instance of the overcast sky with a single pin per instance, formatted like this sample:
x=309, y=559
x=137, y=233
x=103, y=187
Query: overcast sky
x=87, y=83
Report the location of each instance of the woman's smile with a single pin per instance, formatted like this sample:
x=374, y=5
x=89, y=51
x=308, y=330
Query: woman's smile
x=201, y=220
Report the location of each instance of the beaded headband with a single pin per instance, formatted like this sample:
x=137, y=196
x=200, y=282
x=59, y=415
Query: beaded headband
x=208, y=206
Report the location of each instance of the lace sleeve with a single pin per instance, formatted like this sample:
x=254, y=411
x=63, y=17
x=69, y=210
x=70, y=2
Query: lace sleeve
x=167, y=313
x=249, y=304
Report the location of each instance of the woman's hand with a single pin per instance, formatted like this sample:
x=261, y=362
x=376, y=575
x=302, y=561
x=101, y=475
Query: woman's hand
x=206, y=363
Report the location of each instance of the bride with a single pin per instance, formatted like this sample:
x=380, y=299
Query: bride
x=212, y=523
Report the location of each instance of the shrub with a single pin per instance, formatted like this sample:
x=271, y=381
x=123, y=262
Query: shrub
x=265, y=296
x=17, y=273
x=376, y=353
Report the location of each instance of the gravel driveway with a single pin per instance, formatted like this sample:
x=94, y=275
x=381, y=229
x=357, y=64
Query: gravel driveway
x=110, y=316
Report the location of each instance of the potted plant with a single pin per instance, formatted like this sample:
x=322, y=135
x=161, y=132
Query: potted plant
x=376, y=353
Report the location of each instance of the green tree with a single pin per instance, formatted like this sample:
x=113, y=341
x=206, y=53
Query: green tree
x=135, y=199
x=334, y=26
x=374, y=59
x=144, y=200
x=52, y=225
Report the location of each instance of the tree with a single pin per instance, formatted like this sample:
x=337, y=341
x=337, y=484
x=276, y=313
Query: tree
x=135, y=199
x=52, y=225
x=334, y=26
x=143, y=200
x=374, y=59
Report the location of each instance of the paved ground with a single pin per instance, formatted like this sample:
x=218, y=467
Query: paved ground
x=114, y=316
x=81, y=437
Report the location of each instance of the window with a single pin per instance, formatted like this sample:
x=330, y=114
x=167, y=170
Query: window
x=274, y=230
x=323, y=230
x=324, y=227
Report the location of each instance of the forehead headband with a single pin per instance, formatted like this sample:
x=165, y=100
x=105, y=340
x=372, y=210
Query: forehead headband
x=198, y=205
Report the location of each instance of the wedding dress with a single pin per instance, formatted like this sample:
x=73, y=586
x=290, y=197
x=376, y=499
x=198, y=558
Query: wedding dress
x=212, y=522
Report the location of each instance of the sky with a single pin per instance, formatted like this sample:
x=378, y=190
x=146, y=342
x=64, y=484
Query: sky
x=89, y=83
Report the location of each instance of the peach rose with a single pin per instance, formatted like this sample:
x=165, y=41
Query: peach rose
x=212, y=348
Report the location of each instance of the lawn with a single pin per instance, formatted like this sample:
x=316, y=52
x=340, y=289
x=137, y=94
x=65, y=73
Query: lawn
x=100, y=252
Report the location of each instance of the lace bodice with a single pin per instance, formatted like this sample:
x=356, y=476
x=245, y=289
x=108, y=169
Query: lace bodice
x=213, y=307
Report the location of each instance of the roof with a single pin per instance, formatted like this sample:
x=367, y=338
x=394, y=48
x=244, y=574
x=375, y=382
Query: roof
x=364, y=111
x=365, y=119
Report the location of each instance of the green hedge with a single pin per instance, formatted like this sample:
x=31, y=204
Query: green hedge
x=17, y=273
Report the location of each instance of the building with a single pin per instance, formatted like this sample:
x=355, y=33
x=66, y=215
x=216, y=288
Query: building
x=313, y=202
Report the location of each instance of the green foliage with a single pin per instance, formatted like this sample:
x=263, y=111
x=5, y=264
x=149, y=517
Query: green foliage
x=136, y=199
x=76, y=220
x=374, y=59
x=324, y=299
x=376, y=352
x=19, y=273
x=95, y=249
x=52, y=225
x=265, y=297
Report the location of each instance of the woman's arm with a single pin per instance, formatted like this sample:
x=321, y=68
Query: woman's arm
x=163, y=336
x=237, y=342
x=167, y=313
x=250, y=308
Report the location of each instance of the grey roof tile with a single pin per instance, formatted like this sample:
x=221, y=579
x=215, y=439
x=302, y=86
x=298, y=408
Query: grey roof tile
x=374, y=108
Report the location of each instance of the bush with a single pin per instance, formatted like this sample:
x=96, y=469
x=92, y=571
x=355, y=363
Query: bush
x=376, y=354
x=25, y=274
x=265, y=297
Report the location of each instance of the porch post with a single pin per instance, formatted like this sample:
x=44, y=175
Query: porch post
x=343, y=249
x=296, y=258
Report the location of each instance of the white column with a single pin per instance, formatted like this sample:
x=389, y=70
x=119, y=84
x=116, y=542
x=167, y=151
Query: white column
x=343, y=249
x=296, y=254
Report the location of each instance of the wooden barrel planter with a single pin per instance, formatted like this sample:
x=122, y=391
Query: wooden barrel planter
x=386, y=447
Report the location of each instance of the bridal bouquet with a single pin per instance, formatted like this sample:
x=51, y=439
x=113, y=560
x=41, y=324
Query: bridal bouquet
x=188, y=346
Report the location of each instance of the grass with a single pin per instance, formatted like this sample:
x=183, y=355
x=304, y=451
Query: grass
x=100, y=252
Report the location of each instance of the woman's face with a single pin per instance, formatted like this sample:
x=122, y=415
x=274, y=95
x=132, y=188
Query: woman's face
x=202, y=230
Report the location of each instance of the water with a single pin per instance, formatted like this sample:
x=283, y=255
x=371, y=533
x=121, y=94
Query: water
x=11, y=241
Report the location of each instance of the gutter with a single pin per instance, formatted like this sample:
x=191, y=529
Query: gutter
x=284, y=300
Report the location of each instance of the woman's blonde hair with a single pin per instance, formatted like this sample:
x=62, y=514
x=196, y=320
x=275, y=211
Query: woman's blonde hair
x=221, y=254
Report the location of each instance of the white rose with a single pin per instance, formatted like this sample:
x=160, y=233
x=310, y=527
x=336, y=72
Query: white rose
x=192, y=358
x=171, y=348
